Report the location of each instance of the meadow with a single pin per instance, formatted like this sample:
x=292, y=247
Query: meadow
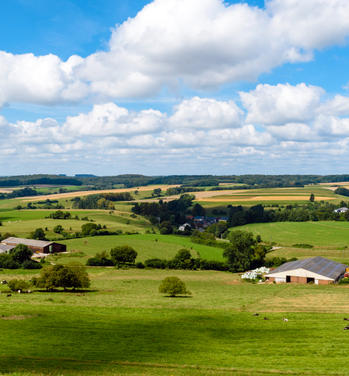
x=146, y=245
x=123, y=326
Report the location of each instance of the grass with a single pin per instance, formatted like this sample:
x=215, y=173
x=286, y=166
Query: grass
x=124, y=326
x=146, y=245
x=23, y=222
x=329, y=234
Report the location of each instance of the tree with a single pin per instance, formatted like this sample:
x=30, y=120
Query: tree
x=58, y=229
x=244, y=252
x=198, y=211
x=166, y=228
x=312, y=198
x=101, y=259
x=89, y=229
x=69, y=276
x=156, y=192
x=21, y=253
x=173, y=286
x=123, y=254
x=38, y=234
x=183, y=260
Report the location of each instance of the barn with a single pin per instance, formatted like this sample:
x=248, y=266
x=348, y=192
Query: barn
x=37, y=246
x=318, y=270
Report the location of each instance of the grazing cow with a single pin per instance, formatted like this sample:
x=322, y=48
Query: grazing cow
x=286, y=320
x=9, y=295
x=346, y=328
x=256, y=314
x=346, y=319
x=266, y=318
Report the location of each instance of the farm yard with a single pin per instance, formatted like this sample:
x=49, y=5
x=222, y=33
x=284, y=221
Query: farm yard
x=123, y=325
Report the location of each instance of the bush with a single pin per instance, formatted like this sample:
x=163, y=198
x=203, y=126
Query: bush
x=7, y=262
x=31, y=264
x=18, y=284
x=344, y=281
x=58, y=229
x=213, y=265
x=101, y=259
x=156, y=263
x=173, y=286
x=302, y=245
x=140, y=265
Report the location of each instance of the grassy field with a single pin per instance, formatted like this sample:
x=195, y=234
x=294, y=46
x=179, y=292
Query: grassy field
x=327, y=234
x=146, y=245
x=23, y=222
x=124, y=326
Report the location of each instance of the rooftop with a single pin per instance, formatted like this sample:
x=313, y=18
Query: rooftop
x=28, y=242
x=318, y=265
x=5, y=248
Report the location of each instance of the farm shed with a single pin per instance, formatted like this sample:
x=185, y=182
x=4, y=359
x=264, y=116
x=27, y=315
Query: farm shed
x=318, y=270
x=38, y=246
x=5, y=248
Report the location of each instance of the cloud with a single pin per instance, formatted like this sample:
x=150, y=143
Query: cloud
x=170, y=43
x=205, y=113
x=281, y=104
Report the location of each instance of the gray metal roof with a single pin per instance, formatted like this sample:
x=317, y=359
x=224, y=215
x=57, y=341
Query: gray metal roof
x=28, y=242
x=5, y=248
x=318, y=265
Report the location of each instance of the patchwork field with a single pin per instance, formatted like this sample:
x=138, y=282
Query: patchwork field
x=87, y=193
x=123, y=326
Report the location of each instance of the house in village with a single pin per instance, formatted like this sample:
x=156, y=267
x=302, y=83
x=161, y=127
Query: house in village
x=318, y=270
x=37, y=246
x=341, y=210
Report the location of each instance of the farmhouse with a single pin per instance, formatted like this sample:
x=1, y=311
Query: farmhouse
x=318, y=270
x=341, y=210
x=38, y=246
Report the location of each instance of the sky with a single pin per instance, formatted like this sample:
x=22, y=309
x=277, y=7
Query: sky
x=174, y=87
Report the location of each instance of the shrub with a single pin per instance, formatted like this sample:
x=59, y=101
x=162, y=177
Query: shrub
x=7, y=262
x=31, y=264
x=344, y=281
x=101, y=259
x=18, y=284
x=302, y=245
x=156, y=263
x=173, y=286
x=140, y=265
x=213, y=265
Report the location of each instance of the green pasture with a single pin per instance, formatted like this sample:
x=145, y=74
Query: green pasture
x=146, y=245
x=123, y=326
x=23, y=222
x=325, y=234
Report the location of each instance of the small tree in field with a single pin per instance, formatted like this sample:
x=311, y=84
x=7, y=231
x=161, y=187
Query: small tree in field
x=123, y=255
x=173, y=286
x=312, y=197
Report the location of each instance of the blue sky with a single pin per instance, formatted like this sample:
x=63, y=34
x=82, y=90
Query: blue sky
x=174, y=86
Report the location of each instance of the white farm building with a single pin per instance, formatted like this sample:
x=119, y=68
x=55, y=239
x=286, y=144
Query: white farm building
x=318, y=270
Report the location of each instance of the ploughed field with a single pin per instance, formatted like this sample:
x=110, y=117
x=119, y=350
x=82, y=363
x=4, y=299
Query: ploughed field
x=124, y=326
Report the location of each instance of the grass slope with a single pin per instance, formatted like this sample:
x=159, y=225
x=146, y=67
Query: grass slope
x=124, y=326
x=147, y=246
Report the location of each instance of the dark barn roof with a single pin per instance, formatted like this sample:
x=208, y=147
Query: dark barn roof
x=318, y=265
